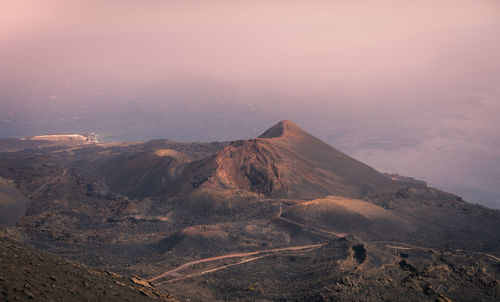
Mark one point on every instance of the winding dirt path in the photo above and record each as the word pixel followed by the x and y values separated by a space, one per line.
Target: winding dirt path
pixel 175 271
pixel 410 247
pixel 264 253
pixel 491 256
pixel 400 247
pixel 212 270
pixel 308 227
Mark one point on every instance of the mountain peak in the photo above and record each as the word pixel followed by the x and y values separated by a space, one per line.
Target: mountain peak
pixel 281 129
pixel 285 162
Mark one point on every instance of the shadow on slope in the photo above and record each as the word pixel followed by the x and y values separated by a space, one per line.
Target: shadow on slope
pixel 286 162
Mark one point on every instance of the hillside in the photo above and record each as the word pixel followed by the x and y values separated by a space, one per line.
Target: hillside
pixel 284 162
pixel 280 217
pixel 27 274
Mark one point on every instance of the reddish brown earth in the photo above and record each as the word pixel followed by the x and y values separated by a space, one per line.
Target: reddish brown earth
pixel 280 217
pixel 284 162
pixel 175 271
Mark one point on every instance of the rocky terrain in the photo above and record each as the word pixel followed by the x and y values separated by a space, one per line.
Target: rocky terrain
pixel 27 274
pixel 280 217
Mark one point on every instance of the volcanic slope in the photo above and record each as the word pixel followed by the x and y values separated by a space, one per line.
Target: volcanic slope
pixel 256 219
pixel 284 162
pixel 27 274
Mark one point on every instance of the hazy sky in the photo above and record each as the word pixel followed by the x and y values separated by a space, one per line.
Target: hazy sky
pixel 406 86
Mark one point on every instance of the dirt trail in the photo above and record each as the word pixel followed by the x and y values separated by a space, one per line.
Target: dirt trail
pixel 491 256
pixel 410 247
pixel 212 270
pixel 313 229
pixel 308 227
pixel 176 270
pixel 400 247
